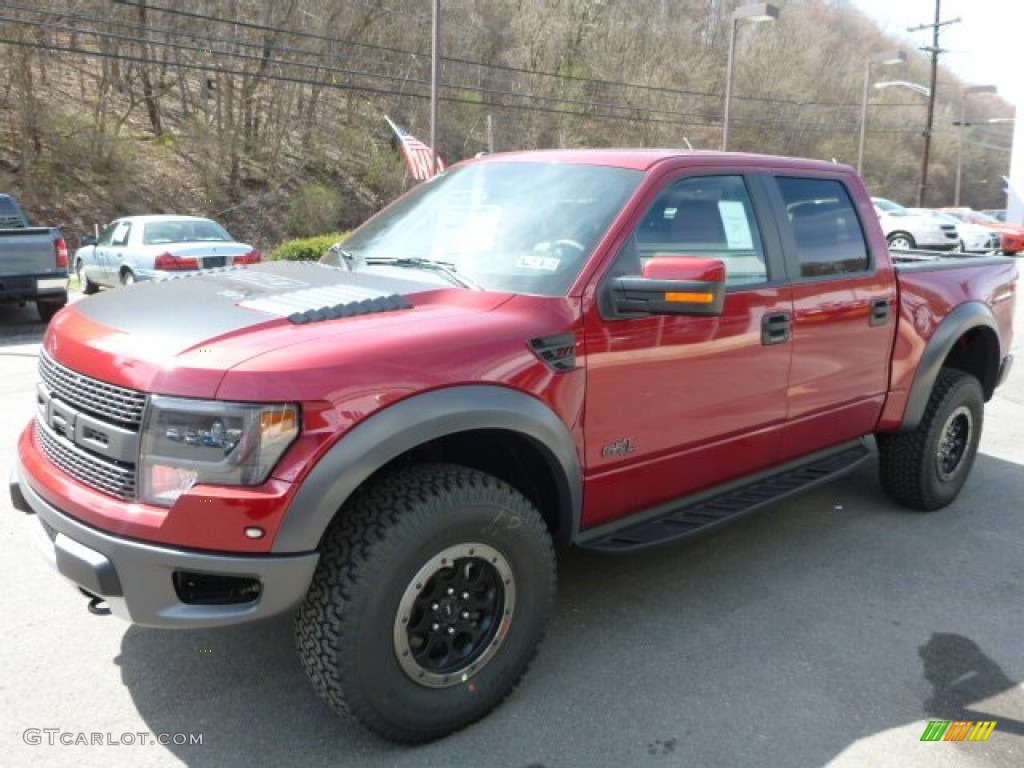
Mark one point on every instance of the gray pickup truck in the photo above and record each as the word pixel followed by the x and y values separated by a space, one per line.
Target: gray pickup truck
pixel 33 261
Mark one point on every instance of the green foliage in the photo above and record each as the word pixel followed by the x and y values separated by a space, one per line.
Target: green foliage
pixel 306 248
pixel 314 208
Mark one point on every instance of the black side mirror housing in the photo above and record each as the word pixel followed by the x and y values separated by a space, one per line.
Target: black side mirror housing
pixel 671 285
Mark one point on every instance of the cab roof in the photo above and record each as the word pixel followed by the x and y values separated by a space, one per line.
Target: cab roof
pixel 646 159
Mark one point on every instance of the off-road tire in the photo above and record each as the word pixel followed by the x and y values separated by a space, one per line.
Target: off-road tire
pixel 349 630
pixel 926 468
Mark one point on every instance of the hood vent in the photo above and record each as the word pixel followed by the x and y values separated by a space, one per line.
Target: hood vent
pixel 312 305
pixel 390 303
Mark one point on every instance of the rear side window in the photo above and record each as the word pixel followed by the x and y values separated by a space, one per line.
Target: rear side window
pixel 10 216
pixel 120 234
pixel 829 239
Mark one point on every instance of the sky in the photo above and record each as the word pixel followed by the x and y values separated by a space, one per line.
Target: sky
pixel 981 48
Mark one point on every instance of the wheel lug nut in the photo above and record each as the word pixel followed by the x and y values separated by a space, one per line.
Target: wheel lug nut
pixel 464 595
pixel 435 627
pixel 465 614
pixel 435 606
pixel 451 590
pixel 451 630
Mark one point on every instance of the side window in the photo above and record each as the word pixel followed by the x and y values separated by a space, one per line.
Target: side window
pixel 710 217
pixel 829 239
pixel 120 234
pixel 108 233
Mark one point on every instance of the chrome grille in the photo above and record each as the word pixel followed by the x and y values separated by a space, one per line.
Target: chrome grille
pixel 106 401
pixel 103 475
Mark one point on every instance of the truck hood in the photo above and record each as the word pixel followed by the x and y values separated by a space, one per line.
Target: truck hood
pixel 180 336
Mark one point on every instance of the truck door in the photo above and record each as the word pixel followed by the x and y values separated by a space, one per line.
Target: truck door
pixel 844 310
pixel 676 404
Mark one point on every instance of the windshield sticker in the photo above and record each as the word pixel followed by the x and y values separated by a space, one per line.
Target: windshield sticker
pixel 544 263
pixel 737 228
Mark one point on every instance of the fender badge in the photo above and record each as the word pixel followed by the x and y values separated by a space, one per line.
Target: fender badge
pixel 622 447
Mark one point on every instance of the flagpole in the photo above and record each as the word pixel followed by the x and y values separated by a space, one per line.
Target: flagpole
pixel 435 61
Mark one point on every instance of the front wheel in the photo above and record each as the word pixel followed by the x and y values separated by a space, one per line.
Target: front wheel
pixel 901 241
pixel 432 593
pixel 926 468
pixel 127 277
pixel 88 286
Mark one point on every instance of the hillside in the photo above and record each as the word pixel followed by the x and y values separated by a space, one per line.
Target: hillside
pixel 270 116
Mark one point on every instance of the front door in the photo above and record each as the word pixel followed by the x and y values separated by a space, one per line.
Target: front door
pixel 684 403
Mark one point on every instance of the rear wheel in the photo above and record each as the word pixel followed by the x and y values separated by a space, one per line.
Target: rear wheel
pixel 432 593
pixel 926 468
pixel 47 308
pixel 127 277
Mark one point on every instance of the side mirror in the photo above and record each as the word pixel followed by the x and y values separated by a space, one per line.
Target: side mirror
pixel 89 240
pixel 672 285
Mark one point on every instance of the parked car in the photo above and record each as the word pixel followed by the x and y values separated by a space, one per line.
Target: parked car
pixel 905 230
pixel 974 238
pixel 1011 236
pixel 33 261
pixel 393 442
pixel 136 248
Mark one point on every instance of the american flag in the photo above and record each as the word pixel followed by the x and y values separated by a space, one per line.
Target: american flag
pixel 417 154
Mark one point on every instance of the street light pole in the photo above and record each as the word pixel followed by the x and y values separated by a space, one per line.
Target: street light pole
pixel 894 57
pixel 754 12
pixel 964 93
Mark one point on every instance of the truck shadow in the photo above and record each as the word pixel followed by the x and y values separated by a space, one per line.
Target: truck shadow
pixel 792 635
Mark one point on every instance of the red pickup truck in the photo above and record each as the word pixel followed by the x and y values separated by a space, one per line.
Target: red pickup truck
pixel 601 349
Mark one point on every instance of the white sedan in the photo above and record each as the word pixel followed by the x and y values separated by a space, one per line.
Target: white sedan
pixel 137 248
pixel 974 238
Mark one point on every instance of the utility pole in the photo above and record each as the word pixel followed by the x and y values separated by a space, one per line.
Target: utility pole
pixel 934 50
pixel 435 76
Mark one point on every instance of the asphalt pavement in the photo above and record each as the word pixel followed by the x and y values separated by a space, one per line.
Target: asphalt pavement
pixel 828 630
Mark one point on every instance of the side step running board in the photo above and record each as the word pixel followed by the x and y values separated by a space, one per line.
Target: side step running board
pixel 697 516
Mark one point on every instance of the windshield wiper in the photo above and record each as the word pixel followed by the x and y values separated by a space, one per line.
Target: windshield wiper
pixel 442 267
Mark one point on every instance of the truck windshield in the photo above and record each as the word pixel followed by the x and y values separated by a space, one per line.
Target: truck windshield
pixel 503 226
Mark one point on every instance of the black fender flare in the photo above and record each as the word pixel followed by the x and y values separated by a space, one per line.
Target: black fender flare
pixel 962 319
pixel 409 423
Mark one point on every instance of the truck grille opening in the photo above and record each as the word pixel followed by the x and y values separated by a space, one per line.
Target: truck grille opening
pixel 214 589
pixel 74 416
pixel 105 401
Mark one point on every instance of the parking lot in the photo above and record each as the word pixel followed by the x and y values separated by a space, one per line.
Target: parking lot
pixel 826 630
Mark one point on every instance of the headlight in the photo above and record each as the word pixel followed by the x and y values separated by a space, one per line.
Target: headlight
pixel 185 442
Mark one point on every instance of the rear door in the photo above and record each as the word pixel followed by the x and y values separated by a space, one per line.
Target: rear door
pixel 844 314
pixel 111 250
pixel 677 404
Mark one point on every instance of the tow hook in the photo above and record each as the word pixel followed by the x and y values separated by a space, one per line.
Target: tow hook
pixel 97 605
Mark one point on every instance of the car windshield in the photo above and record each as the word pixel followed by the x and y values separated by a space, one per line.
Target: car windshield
pixel 184 231
pixel 889 207
pixel 501 226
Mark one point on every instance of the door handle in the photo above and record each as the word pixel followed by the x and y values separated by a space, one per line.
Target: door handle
pixel 879 312
pixel 776 328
